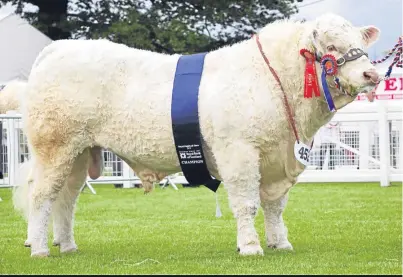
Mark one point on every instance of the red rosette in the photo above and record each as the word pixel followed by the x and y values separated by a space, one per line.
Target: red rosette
pixel 311 81
pixel 306 54
pixel 329 64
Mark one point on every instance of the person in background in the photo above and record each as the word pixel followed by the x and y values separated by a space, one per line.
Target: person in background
pixel 329 130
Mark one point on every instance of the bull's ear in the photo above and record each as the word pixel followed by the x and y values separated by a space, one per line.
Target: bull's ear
pixel 370 34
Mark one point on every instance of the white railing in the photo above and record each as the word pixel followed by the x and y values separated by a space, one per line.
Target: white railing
pixel 363 145
pixel 366 145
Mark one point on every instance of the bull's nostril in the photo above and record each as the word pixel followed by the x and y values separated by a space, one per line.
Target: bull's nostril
pixel 367 75
pixel 371 75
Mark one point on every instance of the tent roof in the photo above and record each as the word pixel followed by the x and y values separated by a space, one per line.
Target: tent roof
pixel 19 45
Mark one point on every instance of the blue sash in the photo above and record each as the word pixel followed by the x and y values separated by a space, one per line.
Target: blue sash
pixel 185 121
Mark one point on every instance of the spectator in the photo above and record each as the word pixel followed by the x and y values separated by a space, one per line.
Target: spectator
pixel 329 130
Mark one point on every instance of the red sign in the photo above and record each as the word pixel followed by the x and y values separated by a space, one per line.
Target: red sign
pixel 393 84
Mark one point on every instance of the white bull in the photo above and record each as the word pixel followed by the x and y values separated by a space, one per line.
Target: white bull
pixel 85 95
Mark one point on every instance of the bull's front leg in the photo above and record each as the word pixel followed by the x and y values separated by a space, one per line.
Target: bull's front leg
pixel 275 229
pixel 238 164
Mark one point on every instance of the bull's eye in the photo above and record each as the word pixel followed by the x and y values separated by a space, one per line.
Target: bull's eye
pixel 331 48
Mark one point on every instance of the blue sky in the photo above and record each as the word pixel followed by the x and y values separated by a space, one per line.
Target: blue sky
pixel 387 15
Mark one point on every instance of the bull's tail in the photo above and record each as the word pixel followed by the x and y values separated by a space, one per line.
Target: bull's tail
pixel 11 95
pixel 22 188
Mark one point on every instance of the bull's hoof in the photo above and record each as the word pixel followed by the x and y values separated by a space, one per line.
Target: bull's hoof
pixel 40 254
pixel 27 244
pixel 56 243
pixel 282 246
pixel 68 248
pixel 252 249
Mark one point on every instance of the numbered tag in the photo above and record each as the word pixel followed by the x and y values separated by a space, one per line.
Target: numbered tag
pixel 301 152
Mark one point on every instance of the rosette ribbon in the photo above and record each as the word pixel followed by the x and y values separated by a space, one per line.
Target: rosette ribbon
pixel 329 67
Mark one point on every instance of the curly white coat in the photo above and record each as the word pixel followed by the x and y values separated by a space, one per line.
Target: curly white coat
pixel 10 96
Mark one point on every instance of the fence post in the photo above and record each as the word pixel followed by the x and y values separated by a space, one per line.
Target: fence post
pixel 363 145
pixel 384 143
pixel 126 174
pixel 12 149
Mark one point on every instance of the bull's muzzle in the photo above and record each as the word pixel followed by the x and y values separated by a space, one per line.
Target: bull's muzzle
pixel 372 76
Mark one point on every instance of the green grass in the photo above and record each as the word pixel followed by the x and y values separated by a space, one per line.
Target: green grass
pixel 334 228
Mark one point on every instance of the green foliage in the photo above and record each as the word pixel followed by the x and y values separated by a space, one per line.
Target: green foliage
pixel 168 26
pixel 140 31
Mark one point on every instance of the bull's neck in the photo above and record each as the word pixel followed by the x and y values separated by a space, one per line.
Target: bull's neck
pixel 309 113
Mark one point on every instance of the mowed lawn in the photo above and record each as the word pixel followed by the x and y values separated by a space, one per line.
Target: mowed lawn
pixel 334 228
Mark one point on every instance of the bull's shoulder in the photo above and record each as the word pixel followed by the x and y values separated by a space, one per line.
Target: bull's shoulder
pixel 48 50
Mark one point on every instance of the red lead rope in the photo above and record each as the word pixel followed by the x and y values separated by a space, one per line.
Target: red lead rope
pixel 285 100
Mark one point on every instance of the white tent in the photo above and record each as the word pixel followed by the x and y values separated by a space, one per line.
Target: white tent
pixel 19 46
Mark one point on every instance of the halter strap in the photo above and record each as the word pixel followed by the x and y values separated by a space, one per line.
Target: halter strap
pixel 351 55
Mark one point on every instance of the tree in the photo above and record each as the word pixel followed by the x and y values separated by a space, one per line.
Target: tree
pixel 145 30
pixel 225 21
pixel 168 26
pixel 50 18
pixel 179 26
pixel 61 19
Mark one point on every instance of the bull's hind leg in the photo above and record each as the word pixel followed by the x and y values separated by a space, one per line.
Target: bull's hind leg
pixel 30 181
pixel 53 169
pixel 238 164
pixel 275 229
pixel 63 207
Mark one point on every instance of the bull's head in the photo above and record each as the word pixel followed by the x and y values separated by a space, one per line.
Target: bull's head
pixel 335 35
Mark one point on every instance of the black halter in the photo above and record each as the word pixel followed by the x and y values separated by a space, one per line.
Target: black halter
pixel 351 55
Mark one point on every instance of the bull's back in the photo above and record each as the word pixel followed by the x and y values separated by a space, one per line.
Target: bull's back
pixel 98 70
pixel 115 96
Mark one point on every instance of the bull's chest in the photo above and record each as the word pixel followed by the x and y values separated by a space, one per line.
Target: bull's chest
pixel 279 164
